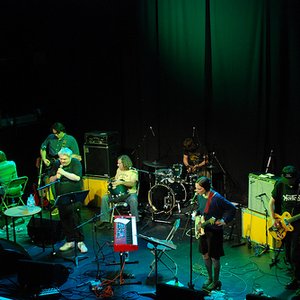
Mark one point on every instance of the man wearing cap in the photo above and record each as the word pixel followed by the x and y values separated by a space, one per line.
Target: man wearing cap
pixel 285 198
pixel 215 212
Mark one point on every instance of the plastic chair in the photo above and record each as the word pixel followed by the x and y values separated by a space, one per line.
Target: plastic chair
pixel 13 191
pixel 161 252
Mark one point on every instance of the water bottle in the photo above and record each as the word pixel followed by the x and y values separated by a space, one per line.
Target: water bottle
pixel 30 202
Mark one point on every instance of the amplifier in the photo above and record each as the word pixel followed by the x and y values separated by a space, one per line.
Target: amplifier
pixel 259 192
pixel 101 138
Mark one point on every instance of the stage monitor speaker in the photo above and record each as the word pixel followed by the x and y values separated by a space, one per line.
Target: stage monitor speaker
pixel 167 291
pixel 35 275
pixel 10 253
pixel 101 161
pixel 259 192
pixel 45 231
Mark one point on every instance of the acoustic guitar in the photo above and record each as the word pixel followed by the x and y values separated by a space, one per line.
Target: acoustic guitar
pixel 118 190
pixel 200 223
pixel 285 220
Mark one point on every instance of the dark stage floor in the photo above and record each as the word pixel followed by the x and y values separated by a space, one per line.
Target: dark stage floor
pixel 102 274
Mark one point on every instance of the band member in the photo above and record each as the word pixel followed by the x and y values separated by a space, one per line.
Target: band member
pixel 67 178
pixel 285 198
pixel 195 158
pixel 213 213
pixel 122 188
pixel 49 154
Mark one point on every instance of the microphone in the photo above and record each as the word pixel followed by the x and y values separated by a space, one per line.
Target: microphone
pixel 193 199
pixel 150 127
pixel 260 195
pixel 194 131
pixel 59 178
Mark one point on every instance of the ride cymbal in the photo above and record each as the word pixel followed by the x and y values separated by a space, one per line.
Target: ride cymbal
pixel 154 164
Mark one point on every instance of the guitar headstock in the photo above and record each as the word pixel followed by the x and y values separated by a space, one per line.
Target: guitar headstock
pixel 212 220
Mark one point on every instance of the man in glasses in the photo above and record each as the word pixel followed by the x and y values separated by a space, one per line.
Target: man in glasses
pixel 57 139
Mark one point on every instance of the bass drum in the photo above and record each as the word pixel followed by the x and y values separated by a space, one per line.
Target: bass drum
pixel 179 191
pixel 161 199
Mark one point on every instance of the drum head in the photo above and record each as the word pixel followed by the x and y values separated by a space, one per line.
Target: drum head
pixel 179 191
pixel 161 199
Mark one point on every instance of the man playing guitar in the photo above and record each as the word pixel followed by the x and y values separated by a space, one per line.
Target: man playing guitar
pixel 49 154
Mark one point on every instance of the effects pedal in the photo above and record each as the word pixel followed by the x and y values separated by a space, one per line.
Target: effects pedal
pixel 49 293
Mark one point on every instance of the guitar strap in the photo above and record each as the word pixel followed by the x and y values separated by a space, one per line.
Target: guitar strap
pixel 208 202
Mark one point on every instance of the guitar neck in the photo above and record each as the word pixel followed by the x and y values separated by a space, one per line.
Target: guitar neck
pixel 294 218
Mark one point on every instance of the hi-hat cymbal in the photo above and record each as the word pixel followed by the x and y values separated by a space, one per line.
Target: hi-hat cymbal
pixel 154 164
pixel 210 167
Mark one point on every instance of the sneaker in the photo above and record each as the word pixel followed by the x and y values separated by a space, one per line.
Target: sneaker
pixel 67 246
pixel 82 247
pixel 54 212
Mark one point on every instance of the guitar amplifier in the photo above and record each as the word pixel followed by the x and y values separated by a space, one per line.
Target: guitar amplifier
pixel 259 191
pixel 102 138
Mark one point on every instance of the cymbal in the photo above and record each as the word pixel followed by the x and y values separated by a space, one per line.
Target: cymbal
pixel 210 167
pixel 153 164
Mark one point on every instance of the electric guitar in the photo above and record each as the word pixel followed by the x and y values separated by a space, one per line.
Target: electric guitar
pixel 200 223
pixel 285 220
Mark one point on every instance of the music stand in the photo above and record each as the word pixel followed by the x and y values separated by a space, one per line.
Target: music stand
pixel 156 242
pixel 72 198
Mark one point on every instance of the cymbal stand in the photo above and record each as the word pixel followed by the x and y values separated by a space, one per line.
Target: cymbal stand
pixel 265 248
pixel 223 171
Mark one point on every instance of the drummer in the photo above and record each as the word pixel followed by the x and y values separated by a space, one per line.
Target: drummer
pixel 195 158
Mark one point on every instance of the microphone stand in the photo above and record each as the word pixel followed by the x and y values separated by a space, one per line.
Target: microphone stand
pixel 190 283
pixel 223 171
pixel 265 247
pixel 136 150
pixel 269 161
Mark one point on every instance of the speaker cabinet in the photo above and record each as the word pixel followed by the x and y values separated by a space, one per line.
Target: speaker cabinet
pixel 45 231
pixel 167 291
pixel 259 192
pixel 101 160
pixel 34 275
pixel 10 253
pixel 254 227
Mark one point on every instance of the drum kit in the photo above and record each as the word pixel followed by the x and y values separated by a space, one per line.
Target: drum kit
pixel 171 189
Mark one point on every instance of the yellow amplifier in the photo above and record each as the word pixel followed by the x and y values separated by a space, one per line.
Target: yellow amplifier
pixel 97 188
pixel 254 227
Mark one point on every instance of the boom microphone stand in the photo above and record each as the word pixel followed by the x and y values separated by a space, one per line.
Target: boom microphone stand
pixel 265 248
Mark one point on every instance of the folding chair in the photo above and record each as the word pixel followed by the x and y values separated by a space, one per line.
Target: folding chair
pixel 14 191
pixel 161 252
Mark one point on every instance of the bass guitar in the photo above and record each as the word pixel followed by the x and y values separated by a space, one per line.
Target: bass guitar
pixel 200 223
pixel 279 232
